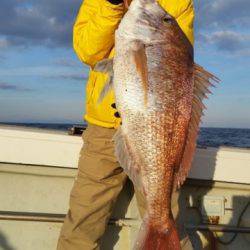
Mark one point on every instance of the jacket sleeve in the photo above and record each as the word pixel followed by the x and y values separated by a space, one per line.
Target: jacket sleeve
pixel 186 19
pixel 94 28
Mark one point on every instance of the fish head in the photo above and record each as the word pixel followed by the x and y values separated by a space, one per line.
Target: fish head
pixel 149 23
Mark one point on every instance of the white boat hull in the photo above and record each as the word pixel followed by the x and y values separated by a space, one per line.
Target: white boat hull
pixel 37 171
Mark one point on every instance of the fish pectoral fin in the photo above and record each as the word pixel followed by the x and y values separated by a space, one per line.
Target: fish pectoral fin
pixel 127 159
pixel 140 59
pixel 106 88
pixel 203 80
pixel 105 66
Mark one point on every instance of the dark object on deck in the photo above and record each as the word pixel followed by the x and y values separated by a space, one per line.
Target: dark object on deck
pixel 76 129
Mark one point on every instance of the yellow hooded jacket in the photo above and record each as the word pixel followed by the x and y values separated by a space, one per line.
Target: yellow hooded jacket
pixel 93 40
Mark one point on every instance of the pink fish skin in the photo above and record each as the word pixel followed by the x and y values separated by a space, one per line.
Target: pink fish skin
pixel 159 92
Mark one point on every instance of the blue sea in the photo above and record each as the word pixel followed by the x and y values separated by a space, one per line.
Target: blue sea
pixel 208 137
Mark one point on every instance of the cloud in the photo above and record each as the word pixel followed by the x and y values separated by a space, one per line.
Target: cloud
pixel 66 62
pixel 12 87
pixel 32 22
pixel 2 58
pixel 45 72
pixel 228 40
pixel 3 43
pixel 75 77
pixel 222 13
pixel 49 23
pixel 221 23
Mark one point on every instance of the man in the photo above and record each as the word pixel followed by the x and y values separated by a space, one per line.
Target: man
pixel 100 178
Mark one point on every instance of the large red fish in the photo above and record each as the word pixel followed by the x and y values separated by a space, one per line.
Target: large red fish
pixel 159 92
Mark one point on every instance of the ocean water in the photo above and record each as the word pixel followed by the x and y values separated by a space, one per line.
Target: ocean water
pixel 231 137
pixel 208 137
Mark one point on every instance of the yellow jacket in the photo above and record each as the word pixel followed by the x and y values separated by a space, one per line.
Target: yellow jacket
pixel 93 40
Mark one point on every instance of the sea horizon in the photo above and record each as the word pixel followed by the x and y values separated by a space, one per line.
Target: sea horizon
pixel 208 136
pixel 85 123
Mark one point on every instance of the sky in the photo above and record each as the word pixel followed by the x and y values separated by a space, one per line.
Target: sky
pixel 42 80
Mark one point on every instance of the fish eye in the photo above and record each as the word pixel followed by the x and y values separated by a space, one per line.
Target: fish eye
pixel 167 19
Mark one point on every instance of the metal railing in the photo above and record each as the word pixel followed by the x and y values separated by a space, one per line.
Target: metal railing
pixel 59 218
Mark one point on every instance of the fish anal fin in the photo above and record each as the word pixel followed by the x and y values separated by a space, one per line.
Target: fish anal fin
pixel 202 81
pixel 140 59
pixel 127 159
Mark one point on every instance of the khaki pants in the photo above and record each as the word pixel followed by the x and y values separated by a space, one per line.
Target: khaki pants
pixel 98 183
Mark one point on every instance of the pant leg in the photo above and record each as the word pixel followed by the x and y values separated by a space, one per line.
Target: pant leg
pixel 98 183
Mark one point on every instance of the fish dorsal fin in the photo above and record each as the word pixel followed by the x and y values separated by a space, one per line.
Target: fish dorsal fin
pixel 105 66
pixel 140 59
pixel 127 159
pixel 203 80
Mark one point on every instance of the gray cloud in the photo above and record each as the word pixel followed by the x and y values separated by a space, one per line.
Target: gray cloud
pixel 49 23
pixel 227 40
pixel 73 76
pixel 13 87
pixel 3 42
pixel 221 23
pixel 222 13
pixel 66 62
pixel 31 22
pixel 2 58
pixel 230 41
pixel 76 77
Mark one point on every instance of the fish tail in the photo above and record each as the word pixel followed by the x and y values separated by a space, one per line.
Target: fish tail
pixel 163 237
